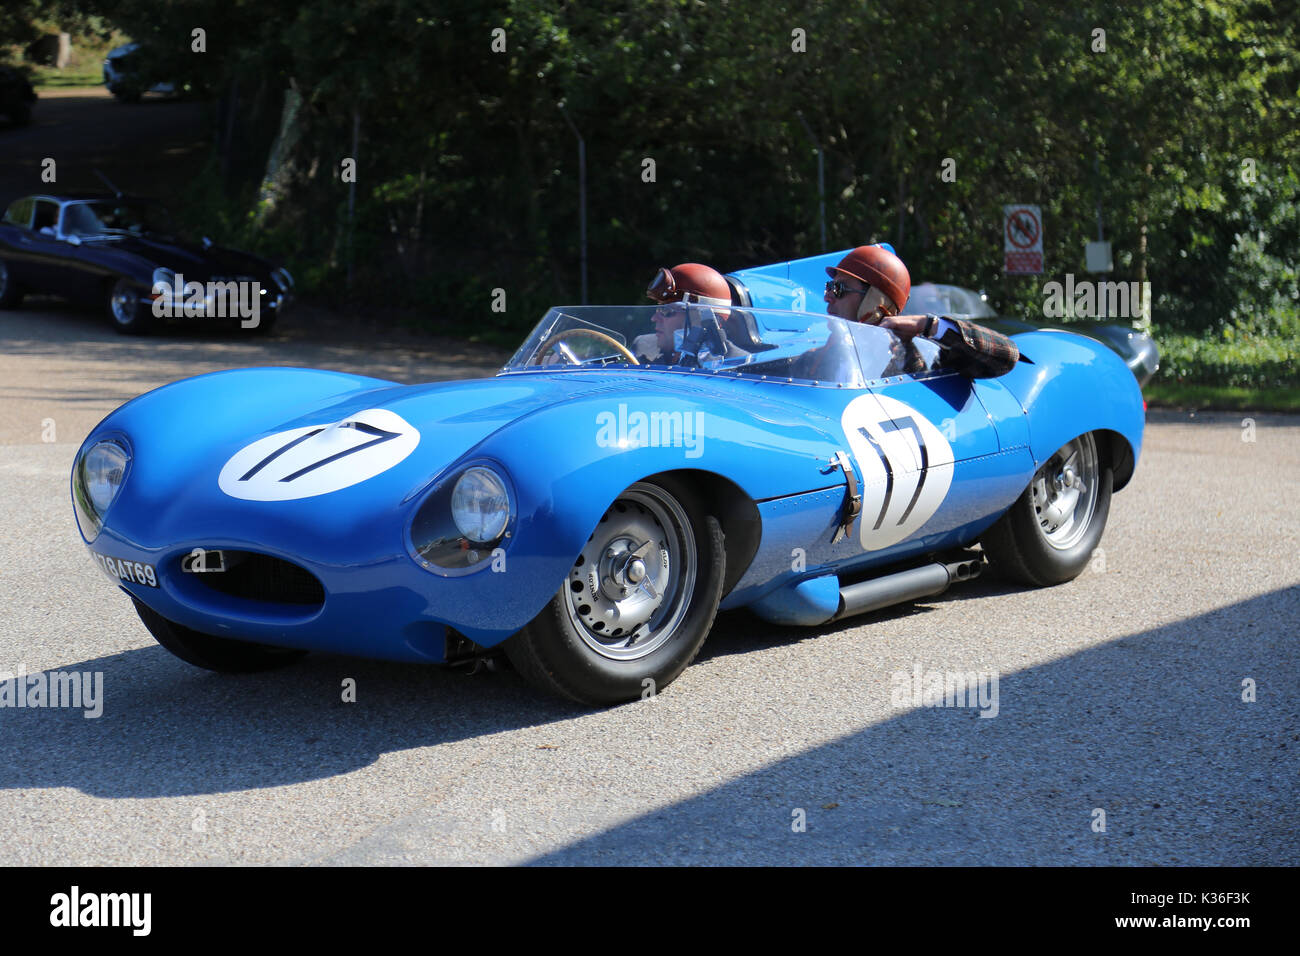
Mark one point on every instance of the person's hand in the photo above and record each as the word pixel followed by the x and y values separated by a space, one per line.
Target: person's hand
pixel 906 327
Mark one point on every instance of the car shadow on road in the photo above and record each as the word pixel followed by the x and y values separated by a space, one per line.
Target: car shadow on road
pixel 1151 728
pixel 1176 746
pixel 170 729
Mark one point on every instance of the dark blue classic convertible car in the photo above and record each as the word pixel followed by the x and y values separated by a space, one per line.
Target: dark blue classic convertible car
pixel 124 255
pixel 589 509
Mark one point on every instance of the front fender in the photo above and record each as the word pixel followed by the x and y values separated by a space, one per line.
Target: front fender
pixel 569 463
pixel 1071 385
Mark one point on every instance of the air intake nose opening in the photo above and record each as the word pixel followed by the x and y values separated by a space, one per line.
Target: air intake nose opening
pixel 261 577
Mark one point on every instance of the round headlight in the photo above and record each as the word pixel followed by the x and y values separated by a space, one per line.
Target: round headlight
pixel 96 479
pixel 283 279
pixel 480 505
pixel 103 470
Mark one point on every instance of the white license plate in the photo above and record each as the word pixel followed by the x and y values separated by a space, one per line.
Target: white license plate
pixel 135 572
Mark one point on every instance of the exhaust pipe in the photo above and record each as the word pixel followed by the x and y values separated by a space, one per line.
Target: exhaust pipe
pixel 925 581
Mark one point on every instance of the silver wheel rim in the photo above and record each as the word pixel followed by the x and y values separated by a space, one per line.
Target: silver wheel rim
pixel 1064 493
pixel 630 588
pixel 123 305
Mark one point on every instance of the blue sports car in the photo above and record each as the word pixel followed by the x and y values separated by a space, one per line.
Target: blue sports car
pixel 589 509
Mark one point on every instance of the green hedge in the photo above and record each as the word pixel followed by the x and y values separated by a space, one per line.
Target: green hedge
pixel 1229 358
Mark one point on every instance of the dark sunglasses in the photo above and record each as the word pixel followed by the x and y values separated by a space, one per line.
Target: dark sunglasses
pixel 837 289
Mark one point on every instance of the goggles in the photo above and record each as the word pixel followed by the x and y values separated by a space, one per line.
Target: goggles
pixel 663 289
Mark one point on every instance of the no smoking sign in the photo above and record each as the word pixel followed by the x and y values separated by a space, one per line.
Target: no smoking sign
pixel 1022 229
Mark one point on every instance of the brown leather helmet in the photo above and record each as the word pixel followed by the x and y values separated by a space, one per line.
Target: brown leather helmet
pixel 689 282
pixel 877 267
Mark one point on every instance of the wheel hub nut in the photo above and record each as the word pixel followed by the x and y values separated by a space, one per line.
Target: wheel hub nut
pixel 636 571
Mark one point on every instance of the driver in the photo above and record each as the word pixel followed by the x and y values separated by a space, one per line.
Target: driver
pixel 689 283
pixel 871 285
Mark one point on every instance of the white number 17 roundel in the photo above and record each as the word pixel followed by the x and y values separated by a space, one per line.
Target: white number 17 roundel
pixel 906 466
pixel 304 462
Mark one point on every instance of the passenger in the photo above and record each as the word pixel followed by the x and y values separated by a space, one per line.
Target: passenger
pixel 872 285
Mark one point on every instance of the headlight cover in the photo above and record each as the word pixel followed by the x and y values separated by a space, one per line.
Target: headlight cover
pixel 480 505
pixel 97 477
pixel 283 279
pixel 463 520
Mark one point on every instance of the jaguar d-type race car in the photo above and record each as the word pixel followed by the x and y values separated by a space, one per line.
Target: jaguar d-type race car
pixel 589 509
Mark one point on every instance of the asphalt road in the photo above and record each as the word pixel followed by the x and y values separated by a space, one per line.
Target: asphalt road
pixel 1121 692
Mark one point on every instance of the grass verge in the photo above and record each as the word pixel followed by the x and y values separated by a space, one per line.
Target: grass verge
pixel 48 78
pixel 1226 397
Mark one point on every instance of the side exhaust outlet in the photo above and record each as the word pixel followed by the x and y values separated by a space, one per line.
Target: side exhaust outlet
pixel 926 581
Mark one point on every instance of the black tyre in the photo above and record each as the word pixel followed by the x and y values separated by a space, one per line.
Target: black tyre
pixel 214 653
pixel 1049 534
pixel 637 604
pixel 129 316
pixel 11 293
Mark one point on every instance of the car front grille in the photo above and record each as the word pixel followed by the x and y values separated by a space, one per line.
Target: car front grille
pixel 260 577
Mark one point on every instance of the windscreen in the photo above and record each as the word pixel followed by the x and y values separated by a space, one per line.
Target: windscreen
pixel 759 343
pixel 948 300
pixel 116 219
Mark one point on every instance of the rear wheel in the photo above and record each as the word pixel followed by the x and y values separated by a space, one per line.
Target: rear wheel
pixel 124 308
pixel 1049 534
pixel 11 293
pixel 214 653
pixel 636 605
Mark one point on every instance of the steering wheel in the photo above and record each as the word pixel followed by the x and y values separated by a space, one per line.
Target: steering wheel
pixel 558 337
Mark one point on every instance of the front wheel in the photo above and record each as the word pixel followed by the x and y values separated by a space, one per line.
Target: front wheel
pixel 1048 536
pixel 214 653
pixel 125 309
pixel 635 607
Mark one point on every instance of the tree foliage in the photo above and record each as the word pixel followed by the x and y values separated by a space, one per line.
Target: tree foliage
pixel 1177 118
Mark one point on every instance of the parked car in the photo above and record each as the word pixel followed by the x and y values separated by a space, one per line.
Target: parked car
pixel 128 74
pixel 124 254
pixel 587 512
pixel 16 96
pixel 1135 346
